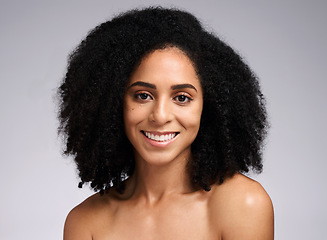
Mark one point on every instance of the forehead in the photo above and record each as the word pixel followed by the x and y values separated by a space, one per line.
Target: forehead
pixel 169 65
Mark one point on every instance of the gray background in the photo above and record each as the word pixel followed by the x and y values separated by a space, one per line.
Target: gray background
pixel 283 41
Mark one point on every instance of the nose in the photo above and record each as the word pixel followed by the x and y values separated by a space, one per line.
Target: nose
pixel 161 112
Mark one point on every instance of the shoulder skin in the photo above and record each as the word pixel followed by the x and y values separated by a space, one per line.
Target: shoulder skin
pixel 87 218
pixel 242 209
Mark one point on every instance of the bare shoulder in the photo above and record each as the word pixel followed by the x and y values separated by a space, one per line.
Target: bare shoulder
pixel 242 209
pixel 83 219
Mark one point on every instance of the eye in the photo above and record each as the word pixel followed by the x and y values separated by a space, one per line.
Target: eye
pixel 182 99
pixel 143 96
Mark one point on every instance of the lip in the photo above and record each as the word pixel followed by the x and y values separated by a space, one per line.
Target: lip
pixel 159 144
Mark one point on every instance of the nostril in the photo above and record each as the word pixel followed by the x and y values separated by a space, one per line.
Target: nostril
pixel 161 114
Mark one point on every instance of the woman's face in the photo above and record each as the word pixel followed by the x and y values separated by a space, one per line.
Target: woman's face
pixel 162 107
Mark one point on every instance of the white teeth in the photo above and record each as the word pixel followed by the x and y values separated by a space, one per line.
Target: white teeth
pixel 160 138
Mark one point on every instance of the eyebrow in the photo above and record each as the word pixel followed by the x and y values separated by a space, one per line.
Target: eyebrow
pixel 143 84
pixel 174 87
pixel 181 86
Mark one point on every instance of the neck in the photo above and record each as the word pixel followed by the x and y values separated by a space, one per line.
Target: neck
pixel 154 182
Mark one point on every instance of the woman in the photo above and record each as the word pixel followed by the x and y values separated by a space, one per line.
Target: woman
pixel 162 119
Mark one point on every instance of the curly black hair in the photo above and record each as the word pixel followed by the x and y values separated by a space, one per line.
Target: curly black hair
pixel 233 122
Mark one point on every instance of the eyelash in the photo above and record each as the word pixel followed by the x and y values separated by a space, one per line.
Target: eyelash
pixel 138 96
pixel 187 99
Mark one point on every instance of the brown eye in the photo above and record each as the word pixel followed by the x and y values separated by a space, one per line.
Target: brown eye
pixel 182 99
pixel 143 96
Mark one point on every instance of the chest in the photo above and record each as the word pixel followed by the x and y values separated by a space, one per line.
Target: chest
pixel 174 221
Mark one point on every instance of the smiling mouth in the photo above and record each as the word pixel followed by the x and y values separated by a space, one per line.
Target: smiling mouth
pixel 160 137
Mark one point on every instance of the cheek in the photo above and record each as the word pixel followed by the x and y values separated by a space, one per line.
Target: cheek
pixel 129 122
pixel 190 118
pixel 133 115
pixel 129 116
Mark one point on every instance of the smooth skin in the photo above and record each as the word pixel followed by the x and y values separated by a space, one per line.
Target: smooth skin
pixel 164 98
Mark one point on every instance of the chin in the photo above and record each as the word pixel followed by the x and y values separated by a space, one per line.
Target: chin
pixel 162 158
